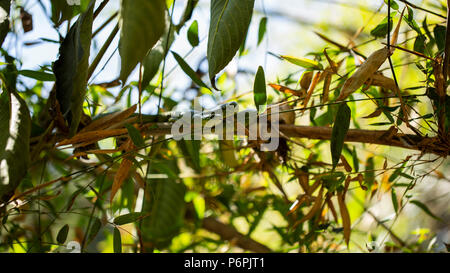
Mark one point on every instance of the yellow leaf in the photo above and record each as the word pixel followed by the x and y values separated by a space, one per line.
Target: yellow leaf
pixel 303 62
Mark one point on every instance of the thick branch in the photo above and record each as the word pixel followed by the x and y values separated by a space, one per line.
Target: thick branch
pixel 229 233
pixel 380 137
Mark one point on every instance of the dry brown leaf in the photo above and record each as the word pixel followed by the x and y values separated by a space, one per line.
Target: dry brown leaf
pixel 121 176
pixel 109 120
pixel 303 180
pixel 326 88
pixel 346 222
pixel 365 71
pixel 333 65
pixel 306 79
pixel 311 88
pixel 333 209
pixel 87 138
pixel 313 211
pixel 287 90
pixel 396 31
pixel 360 179
pixel 123 171
pixel 380 80
pixel 298 202
pixel 375 114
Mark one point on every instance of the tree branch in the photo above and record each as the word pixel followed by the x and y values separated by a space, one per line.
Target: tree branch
pixel 379 137
pixel 229 233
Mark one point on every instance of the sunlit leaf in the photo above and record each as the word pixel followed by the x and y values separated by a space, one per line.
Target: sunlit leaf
pixel 193 34
pixel 303 62
pixel 15 130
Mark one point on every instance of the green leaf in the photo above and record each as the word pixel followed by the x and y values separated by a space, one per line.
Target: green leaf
pixel 229 23
pixel 199 206
pixel 135 135
pixel 62 234
pixel 117 241
pixel 166 208
pixel 369 174
pixel 425 209
pixel 94 229
pixel 340 129
pixel 15 130
pixel 38 75
pixel 355 160
pixel 189 71
pixel 439 36
pixel 381 30
pixel 128 218
pixel 142 25
pixel 394 4
pixel 394 200
pixel 259 89
pixel 303 62
pixel 192 34
pixel 154 57
pixel 191 152
pixel 419 44
pixel 411 22
pixel 262 29
pixel 71 69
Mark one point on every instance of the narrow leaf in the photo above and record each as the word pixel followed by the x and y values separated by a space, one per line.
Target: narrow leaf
pixel 128 218
pixel 303 62
pixel 189 71
pixel 346 222
pixel 121 176
pixel 38 75
pixel 262 29
pixel 340 129
pixel 425 209
pixel 135 135
pixel 117 241
pixel 94 229
pixel 259 89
